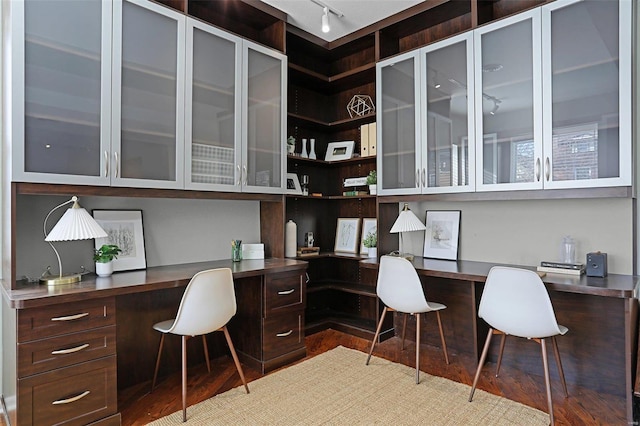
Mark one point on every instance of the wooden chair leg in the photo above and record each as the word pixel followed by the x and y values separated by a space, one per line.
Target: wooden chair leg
pixel 404 329
pixel 375 336
pixel 184 378
pixel 444 343
pixel 206 352
pixel 502 342
pixel 559 364
pixel 155 373
pixel 417 349
pixel 483 357
pixel 545 363
pixel 235 357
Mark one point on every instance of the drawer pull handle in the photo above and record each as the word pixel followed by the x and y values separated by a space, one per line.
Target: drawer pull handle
pixel 70 350
pixel 285 292
pixel 284 334
pixel 70 317
pixel 72 399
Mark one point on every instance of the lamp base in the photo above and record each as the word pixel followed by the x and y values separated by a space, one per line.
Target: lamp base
pixel 52 280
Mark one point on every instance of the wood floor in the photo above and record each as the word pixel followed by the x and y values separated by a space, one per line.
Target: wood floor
pixel 583 407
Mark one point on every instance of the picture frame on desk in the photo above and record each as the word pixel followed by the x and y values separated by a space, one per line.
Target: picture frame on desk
pixel 347 233
pixel 293 184
pixel 442 236
pixel 124 229
pixel 339 151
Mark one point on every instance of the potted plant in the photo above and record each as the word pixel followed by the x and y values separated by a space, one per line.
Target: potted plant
pixel 372 180
pixel 371 242
pixel 291 145
pixel 104 259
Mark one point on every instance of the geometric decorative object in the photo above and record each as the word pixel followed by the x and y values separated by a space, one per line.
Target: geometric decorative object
pixel 360 105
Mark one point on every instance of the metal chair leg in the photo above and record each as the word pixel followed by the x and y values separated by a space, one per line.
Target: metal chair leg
pixel 417 349
pixel 375 337
pixel 547 383
pixel 184 378
pixel 404 329
pixel 235 357
pixel 155 374
pixel 444 344
pixel 559 364
pixel 483 357
pixel 502 342
pixel 206 352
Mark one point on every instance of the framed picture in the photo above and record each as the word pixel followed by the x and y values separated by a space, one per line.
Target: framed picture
pixel 442 234
pixel 369 226
pixel 293 184
pixel 124 229
pixel 339 151
pixel 347 233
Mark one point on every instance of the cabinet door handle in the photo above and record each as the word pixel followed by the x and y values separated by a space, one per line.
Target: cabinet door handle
pixel 106 163
pixel 70 350
pixel 284 334
pixel 70 317
pixel 285 292
pixel 117 163
pixel 538 169
pixel 72 399
pixel 547 169
pixel 244 175
pixel 424 177
pixel 239 176
pixel 417 178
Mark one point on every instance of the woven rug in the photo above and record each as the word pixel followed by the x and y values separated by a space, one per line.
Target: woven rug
pixel 337 388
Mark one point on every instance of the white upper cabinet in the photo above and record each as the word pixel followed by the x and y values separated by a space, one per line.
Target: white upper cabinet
pixel 398 117
pixel 148 95
pixel 587 93
pixel 213 128
pixel 60 91
pixel 508 104
pixel 263 119
pixel 448 147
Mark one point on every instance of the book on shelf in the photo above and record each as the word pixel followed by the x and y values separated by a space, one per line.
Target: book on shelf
pixel 308 251
pixel 354 193
pixel 562 265
pixel 358 181
pixel 565 271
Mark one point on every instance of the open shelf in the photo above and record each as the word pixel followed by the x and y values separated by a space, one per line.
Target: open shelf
pixel 347 287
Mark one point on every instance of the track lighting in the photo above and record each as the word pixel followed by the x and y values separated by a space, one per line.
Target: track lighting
pixel 496 105
pixel 326 10
pixel 325 21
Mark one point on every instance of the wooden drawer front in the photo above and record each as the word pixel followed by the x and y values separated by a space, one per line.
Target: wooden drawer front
pixel 283 291
pixel 43 355
pixel 55 320
pixel 283 333
pixel 74 395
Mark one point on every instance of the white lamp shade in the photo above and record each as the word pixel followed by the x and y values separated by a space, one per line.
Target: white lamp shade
pixel 76 224
pixel 407 222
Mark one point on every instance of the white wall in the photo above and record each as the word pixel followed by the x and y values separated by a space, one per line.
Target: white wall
pixel 527 232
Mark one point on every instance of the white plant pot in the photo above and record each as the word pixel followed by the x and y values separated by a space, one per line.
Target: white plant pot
pixel 104 269
pixel 373 252
pixel 372 189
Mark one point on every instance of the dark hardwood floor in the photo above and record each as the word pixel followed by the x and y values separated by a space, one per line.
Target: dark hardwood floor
pixel 582 407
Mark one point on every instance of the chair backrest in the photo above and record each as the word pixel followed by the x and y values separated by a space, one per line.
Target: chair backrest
pixel 399 285
pixel 516 302
pixel 208 303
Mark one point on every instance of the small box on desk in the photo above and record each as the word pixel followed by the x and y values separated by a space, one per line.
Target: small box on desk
pixel 253 251
pixel 597 264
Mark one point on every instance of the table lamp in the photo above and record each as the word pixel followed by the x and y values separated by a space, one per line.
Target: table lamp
pixel 406 222
pixel 75 224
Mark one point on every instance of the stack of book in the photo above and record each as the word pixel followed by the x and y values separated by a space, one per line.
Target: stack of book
pixel 562 268
pixel 308 251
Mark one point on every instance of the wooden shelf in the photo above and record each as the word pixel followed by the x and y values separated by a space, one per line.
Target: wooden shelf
pixel 332 84
pixel 347 287
pixel 333 125
pixel 369 159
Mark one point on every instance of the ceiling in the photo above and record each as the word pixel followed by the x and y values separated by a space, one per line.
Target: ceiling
pixel 307 14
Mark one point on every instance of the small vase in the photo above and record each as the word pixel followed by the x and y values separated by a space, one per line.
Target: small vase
pixel 312 154
pixel 373 252
pixel 236 251
pixel 304 149
pixel 372 189
pixel 104 269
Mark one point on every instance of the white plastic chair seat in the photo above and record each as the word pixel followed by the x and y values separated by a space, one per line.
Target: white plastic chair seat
pixel 164 326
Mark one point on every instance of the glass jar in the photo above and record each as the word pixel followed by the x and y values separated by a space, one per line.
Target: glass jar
pixel 236 250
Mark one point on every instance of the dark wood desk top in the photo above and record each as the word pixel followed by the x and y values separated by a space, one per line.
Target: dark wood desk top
pixel 156 278
pixel 613 285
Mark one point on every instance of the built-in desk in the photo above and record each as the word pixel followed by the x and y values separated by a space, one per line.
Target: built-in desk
pixel 77 344
pixel 598 352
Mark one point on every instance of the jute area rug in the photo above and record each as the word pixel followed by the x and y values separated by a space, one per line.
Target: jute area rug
pixel 337 388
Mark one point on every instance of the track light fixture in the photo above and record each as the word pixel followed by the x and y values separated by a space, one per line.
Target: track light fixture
pixel 326 10
pixel 325 21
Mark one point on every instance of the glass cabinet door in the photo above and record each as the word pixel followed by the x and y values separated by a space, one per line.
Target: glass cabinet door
pixel 398 94
pixel 587 92
pixel 508 104
pixel 264 119
pixel 148 99
pixel 212 116
pixel 61 91
pixel 447 112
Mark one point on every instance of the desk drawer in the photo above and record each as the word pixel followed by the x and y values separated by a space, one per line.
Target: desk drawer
pixel 283 333
pixel 74 395
pixel 43 355
pixel 283 291
pixel 55 320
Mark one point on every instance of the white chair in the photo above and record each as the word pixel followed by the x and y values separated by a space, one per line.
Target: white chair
pixel 207 305
pixel 515 302
pixel 400 289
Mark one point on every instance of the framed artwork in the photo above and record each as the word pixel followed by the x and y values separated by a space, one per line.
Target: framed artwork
pixel 124 229
pixel 339 151
pixel 293 184
pixel 369 225
pixel 442 234
pixel 347 233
